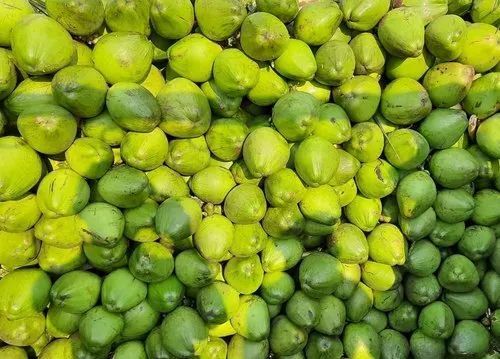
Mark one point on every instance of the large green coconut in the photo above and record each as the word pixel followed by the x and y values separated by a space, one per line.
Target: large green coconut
pixel 81 17
pixel 317 21
pixel 172 19
pixel 11 12
pixel 123 15
pixel 219 19
pixel 365 14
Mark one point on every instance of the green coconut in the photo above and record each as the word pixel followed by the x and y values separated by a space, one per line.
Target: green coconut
pixel 269 88
pixel 482 98
pixel 144 151
pixel 366 143
pixel 8 76
pixel 80 18
pixel 283 10
pixel 443 37
pixel 297 62
pixel 443 127
pixel 172 20
pixel 479 47
pixel 219 20
pixel 369 54
pixel 12 11
pixel 128 16
pixel 412 67
pixel 336 63
pixel 316 22
pixel 406 149
pixel 364 15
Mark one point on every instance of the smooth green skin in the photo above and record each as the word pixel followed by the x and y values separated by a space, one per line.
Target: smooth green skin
pixel 133 107
pixel 443 127
pixel 377 319
pixel 248 239
pixel 359 303
pixel 79 18
pixel 225 138
pixel 387 245
pixel 361 341
pixel 406 149
pixel 251 320
pixel 297 62
pixel 422 346
pixel 263 36
pixel 76 292
pixel 346 192
pixel 193 56
pixel 32 51
pixel 407 44
pixel 333 124
pixel 101 224
pixel 453 167
pixel 453 206
pixel 303 310
pixel 127 16
pixel 286 338
pixel 379 276
pixel 19 215
pixel 366 143
pixel 316 22
pixel 486 210
pixel 351 275
pixel 322 346
pixel 443 37
pixel 320 91
pixel 315 282
pixel 269 88
pixel 183 332
pixel 487 138
pixel 61 324
pixel 130 350
pixel 265 152
pixel 81 90
pixel 124 187
pixel 321 204
pixel 348 244
pixel 295 115
pixel 459 7
pixel 154 81
pixel 48 129
pixel 436 320
pixel 12 352
pixel 448 83
pixel 478 242
pixel 20 157
pixel 390 210
pixel 31 92
pixel 8 76
pixel 18 249
pixel 411 67
pixel 284 222
pixel 469 338
pixel 313 228
pixel 332 316
pixel 172 20
pixel 404 317
pixel 218 20
pixel 377 179
pixel 359 96
pixel 364 212
pixel 404 101
pixel 422 290
pixel 423 258
pixel 346 170
pixel 99 328
pixel 12 11
pixel 470 305
pixel 479 39
pixel 212 184
pixel 485 11
pixel 22 332
pixel 166 295
pixel 277 287
pixel 393 345
pixel 369 54
pixel 364 15
pixel 336 63
pixel 458 274
pixel 139 321
pixel 151 262
pixel 145 151
pixel 103 127
pixel 235 73
pixel 244 274
pixel 481 100
pixel 249 211
pixel 283 188
pixel 121 291
pixel 185 109
pixel 283 10
pixel 216 348
pixel 214 237
pixel 89 157
pixel 446 234
pixel 107 259
pixel 491 288
pixel 388 300
pixel 62 192
pixel 428 10
pixel 220 103
pixel 134 59
pixel 83 54
pixel 139 222
pixel 488 167
pixel 415 194
pixel 60 260
pixel 165 183
pixel 193 270
pixel 316 161
pixel 239 347
pixel 188 156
